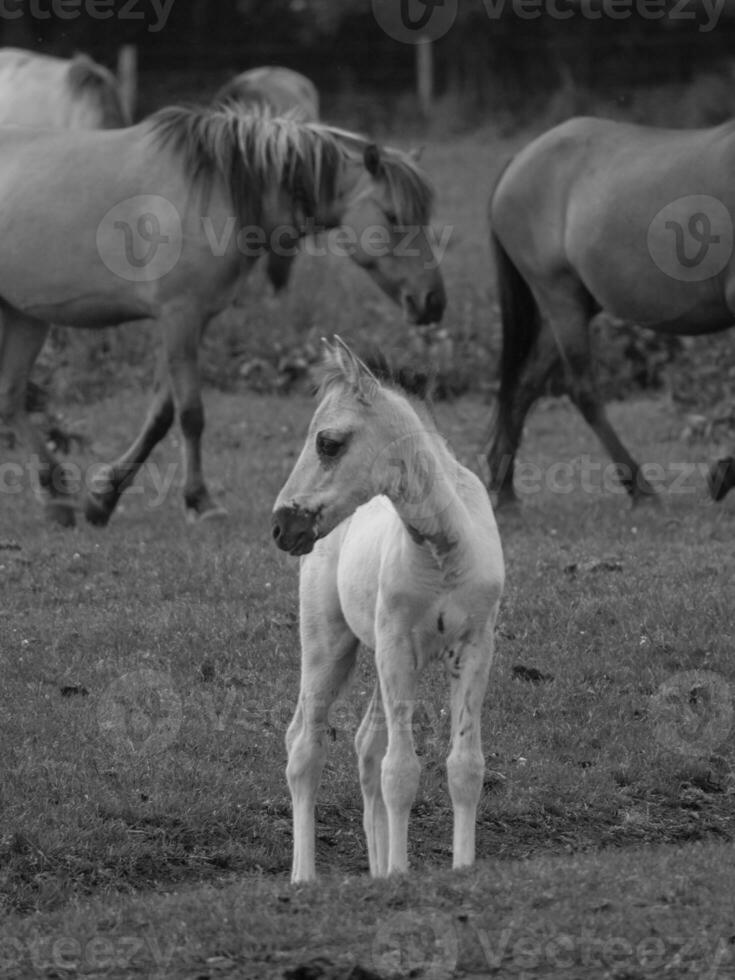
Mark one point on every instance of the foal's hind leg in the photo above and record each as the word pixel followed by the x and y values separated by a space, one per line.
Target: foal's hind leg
pixel 514 406
pixel 371 741
pixel 118 475
pixel 569 310
pixel 21 340
pixel 397 662
pixel 466 764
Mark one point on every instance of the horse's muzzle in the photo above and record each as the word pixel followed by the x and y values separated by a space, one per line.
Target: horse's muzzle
pixel 294 530
pixel 432 309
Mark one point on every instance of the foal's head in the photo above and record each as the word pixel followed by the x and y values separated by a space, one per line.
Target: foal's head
pixel 357 431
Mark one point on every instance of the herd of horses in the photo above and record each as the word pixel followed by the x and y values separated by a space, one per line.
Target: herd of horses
pixel 398 541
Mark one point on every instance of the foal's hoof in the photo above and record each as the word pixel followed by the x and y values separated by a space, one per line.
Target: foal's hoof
pixel 211 514
pixel 61 513
pixel 721 478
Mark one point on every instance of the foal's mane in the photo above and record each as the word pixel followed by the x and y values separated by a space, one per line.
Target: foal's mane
pixel 252 152
pixel 331 375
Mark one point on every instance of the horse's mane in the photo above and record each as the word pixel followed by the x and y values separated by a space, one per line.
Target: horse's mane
pixel 253 151
pixel 86 78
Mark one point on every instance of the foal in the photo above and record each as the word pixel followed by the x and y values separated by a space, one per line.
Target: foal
pixel 402 555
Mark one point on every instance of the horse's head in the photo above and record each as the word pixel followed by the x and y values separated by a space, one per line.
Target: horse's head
pixel 336 471
pixel 387 212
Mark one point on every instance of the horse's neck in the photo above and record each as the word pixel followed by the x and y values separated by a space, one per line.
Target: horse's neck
pixel 427 499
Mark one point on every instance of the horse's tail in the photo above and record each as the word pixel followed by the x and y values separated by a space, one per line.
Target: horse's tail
pixel 519 318
pixel 98 87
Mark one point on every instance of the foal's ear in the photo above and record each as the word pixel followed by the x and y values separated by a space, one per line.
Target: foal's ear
pixel 356 372
pixel 371 156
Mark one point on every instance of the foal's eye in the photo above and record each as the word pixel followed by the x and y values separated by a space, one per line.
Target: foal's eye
pixel 331 448
pixel 392 218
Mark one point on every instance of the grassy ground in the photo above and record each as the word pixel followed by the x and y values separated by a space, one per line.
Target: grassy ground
pixel 151 670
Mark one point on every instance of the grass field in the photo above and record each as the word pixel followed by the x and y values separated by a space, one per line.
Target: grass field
pixel 150 671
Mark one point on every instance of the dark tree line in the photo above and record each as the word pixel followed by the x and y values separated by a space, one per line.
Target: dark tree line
pixel 339 43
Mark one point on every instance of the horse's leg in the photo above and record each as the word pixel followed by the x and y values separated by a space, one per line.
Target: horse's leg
pixel 569 310
pixel 328 652
pixel 183 330
pixel 396 663
pixel 371 741
pixel 101 502
pixel 21 341
pixel 279 270
pixel 510 419
pixel 466 764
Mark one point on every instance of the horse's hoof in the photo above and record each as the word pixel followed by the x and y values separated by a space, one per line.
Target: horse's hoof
pixel 211 514
pixel 505 500
pixel 61 513
pixel 96 514
pixel 721 478
pixel 646 498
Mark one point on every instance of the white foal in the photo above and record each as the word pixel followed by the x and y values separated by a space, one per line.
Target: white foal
pixel 402 554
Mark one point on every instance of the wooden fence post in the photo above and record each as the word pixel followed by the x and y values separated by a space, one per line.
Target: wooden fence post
pixel 127 76
pixel 425 74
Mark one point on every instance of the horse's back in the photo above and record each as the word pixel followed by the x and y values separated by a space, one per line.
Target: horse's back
pixel 281 90
pixel 580 204
pixel 41 90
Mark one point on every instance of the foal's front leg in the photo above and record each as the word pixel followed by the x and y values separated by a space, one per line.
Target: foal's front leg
pixel 466 763
pixel 329 652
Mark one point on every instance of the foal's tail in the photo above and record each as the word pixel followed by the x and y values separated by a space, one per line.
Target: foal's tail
pixel 520 322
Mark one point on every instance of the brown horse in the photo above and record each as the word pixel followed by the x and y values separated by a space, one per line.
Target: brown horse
pixel 159 222
pixel 598 215
pixel 279 91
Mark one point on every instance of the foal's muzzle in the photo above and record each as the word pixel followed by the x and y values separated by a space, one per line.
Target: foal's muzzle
pixel 294 530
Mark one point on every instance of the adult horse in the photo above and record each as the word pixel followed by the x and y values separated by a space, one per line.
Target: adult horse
pixel 39 90
pixel 279 91
pixel 158 222
pixel 599 215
